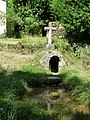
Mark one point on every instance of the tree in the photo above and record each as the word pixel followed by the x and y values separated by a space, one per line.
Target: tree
pixel 30 22
pixel 75 16
pixel 13 21
pixel 34 15
pixel 42 9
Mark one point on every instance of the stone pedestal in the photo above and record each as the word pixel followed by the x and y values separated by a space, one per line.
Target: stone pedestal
pixel 49 46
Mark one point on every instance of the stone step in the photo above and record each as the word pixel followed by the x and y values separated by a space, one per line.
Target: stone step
pixel 53 77
pixel 54 80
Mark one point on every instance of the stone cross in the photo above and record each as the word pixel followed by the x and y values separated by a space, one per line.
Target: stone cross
pixel 49 29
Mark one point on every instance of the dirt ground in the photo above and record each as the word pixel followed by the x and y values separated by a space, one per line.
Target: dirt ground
pixel 13 61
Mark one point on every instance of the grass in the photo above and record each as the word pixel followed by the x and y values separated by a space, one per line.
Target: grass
pixel 26 40
pixel 24 45
pixel 24 85
pixel 78 85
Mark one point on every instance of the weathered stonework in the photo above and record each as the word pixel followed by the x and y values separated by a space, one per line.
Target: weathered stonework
pixel 48 55
pixel 60 30
pixel 2 16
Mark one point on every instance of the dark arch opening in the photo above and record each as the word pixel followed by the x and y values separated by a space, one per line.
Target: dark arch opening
pixel 54 64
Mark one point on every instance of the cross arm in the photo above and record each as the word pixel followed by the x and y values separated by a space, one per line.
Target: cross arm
pixel 46 28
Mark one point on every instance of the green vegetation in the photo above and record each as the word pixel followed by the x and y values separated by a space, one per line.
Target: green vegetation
pixel 23 82
pixel 24 45
pixel 30 17
pixel 23 79
pixel 74 15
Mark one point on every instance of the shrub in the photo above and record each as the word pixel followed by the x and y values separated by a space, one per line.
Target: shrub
pixel 13 21
pixel 74 15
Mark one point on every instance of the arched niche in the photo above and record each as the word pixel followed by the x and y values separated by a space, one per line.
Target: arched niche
pixel 52 60
pixel 54 64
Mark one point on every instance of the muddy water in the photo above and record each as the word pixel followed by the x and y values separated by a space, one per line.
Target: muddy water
pixel 52 99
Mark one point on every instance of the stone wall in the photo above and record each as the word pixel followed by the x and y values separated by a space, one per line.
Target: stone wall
pixel 47 56
pixel 60 30
pixel 2 17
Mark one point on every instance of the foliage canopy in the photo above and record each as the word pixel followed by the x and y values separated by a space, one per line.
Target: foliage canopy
pixel 34 15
